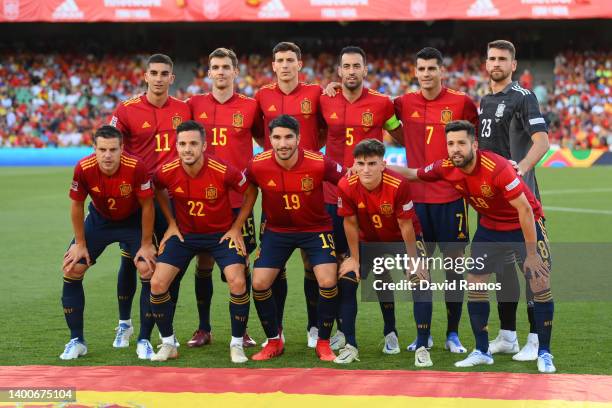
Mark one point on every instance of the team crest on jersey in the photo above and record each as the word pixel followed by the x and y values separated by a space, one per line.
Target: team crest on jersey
pixel 176 121
pixel 446 116
pixel 237 120
pixel 211 193
pixel 386 209
pixel 125 189
pixel 306 106
pixel 367 119
pixel 307 183
pixel 500 110
pixel 486 191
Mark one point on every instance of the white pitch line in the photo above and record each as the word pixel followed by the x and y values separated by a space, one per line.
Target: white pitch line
pixel 578 210
pixel 573 191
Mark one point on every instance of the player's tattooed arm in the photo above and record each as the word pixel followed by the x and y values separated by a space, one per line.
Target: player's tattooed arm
pixel 78 250
pixel 533 262
pixel 351 230
pixel 147 250
pixel 235 232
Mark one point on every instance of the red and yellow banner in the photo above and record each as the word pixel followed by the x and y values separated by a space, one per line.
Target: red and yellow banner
pixel 297 10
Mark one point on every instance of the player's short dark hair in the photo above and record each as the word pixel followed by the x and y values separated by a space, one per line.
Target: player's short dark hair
pixel 285 121
pixel 369 148
pixel 224 53
pixel 286 46
pixel 459 125
pixel 428 53
pixel 191 125
pixel 502 45
pixel 160 59
pixel 351 49
pixel 108 132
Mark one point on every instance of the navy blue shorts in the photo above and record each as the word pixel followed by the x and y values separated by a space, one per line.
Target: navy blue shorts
pixel 492 247
pixel 248 231
pixel 101 232
pixel 179 254
pixel 159 229
pixel 338 224
pixel 276 248
pixel 444 225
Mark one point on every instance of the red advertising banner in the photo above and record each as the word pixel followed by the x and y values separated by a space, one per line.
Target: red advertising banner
pixel 297 10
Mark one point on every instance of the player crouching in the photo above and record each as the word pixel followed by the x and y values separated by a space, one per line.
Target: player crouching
pixel 121 211
pixel 198 186
pixel 377 207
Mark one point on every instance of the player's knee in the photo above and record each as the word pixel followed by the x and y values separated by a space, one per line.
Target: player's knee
pixel 237 284
pixel 327 281
pixel 76 272
pixel 143 270
pixel 260 283
pixel 477 278
pixel 158 285
pixel 540 284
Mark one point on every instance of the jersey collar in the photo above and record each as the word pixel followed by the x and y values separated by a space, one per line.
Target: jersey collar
pixel 214 100
pixel 297 89
pixel 440 95
pixel 507 88
pixel 143 98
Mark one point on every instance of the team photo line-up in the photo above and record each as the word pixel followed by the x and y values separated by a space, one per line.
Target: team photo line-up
pixel 173 180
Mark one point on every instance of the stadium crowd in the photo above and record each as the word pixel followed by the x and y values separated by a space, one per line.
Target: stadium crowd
pixel 59 99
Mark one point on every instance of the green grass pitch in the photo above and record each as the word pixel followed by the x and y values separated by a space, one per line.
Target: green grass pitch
pixel 35 230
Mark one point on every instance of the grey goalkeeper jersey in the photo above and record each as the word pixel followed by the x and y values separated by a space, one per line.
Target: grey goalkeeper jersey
pixel 507 120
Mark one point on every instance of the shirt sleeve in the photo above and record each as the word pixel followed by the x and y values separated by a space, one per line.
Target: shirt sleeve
pixel 118 120
pixel 432 172
pixel 531 116
pixel 235 179
pixel 392 122
pixel 346 206
pixel 144 189
pixel 158 181
pixel 404 207
pixel 250 174
pixel 470 112
pixel 333 171
pixel 78 188
pixel 509 182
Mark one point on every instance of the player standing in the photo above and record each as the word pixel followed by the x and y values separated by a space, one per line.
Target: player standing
pixel 199 188
pixel 352 115
pixel 148 123
pixel 230 120
pixel 441 210
pixel 377 206
pixel 291 181
pixel 289 96
pixel 121 210
pixel 510 220
pixel 512 126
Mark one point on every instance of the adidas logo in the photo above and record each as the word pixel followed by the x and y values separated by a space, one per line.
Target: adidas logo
pixel 203 115
pixel 271 183
pixel 96 189
pixel 273 9
pixel 146 125
pixel 272 108
pixel 333 116
pixel 67 10
pixel 415 114
pixel 461 235
pixel 483 8
pixel 361 205
pixel 178 190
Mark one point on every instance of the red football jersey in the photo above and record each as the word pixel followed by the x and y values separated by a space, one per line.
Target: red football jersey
pixel 292 200
pixel 302 103
pixel 378 210
pixel 201 203
pixel 230 127
pixel 350 123
pixel 149 132
pixel 489 188
pixel 424 136
pixel 115 197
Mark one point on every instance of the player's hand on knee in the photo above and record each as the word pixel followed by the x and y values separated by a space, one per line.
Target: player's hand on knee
pixel 75 253
pixel 422 273
pixel 235 236
pixel 534 267
pixel 144 270
pixel 146 254
pixel 172 231
pixel 350 264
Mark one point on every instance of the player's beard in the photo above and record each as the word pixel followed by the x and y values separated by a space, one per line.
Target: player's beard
pixel 465 160
pixel 499 76
pixel 285 154
pixel 353 86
